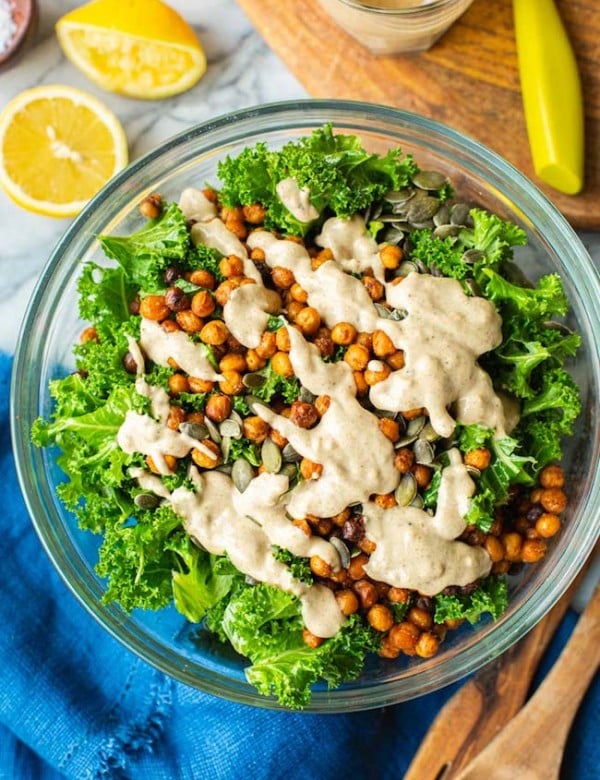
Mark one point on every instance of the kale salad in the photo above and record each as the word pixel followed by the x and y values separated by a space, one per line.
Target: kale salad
pixel 318 407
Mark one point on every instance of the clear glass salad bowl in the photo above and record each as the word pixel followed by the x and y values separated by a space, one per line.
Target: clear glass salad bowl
pixel 51 327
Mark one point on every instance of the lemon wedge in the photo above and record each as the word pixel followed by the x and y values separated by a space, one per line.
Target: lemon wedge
pixel 58 147
pixel 139 48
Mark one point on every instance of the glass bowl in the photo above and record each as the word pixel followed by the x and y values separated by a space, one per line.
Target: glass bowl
pixel 165 639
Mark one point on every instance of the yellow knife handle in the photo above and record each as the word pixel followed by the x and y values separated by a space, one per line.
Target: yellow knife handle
pixel 552 97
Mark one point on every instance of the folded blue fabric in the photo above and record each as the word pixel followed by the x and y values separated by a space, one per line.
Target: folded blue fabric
pixel 74 703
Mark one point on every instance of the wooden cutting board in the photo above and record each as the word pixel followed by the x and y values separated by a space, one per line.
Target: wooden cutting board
pixel 468 80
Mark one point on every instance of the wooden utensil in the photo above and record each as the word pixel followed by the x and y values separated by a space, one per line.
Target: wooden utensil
pixel 468 80
pixel 477 712
pixel 531 746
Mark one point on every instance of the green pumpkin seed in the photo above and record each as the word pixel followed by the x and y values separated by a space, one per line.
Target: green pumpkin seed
pixel 194 430
pixel 342 550
pixel 428 433
pixel 415 426
pixel 459 213
pixel 146 501
pixel 407 267
pixel 422 210
pixel 271 456
pixel 472 256
pixel 225 447
pixel 429 180
pixel 399 196
pixel 406 490
pixel 253 380
pixel 445 231
pixel 213 431
pixel 230 428
pixel 424 452
pixel 290 455
pixel 473 287
pixel 473 471
pixel 392 236
pixel 442 215
pixel 417 502
pixel 288 470
pixel 242 474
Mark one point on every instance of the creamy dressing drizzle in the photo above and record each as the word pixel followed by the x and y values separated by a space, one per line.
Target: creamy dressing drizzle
pixel 196 206
pixel 215 235
pixel 357 458
pixel 247 311
pixel 420 552
pixel 296 200
pixel 159 346
pixel 352 245
pixel 216 515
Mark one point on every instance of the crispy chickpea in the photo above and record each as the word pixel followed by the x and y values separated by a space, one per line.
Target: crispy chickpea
pixel 396 360
pixel 175 418
pixel 169 326
pixel 282 365
pixel 309 469
pixel 380 618
pixel 398 595
pixel 267 346
pixel 366 592
pixel 308 320
pixel 356 569
pixel 254 213
pixel 303 415
pixel 343 333
pixel 376 372
pixel 373 287
pixel 501 567
pixel 224 290
pixel 204 459
pixel 232 362
pixel 322 404
pixel 320 258
pixel 427 645
pixel 258 255
pixel 277 438
pixel 385 500
pixel 494 548
pixel 293 309
pixel 341 517
pixel 319 567
pixel 232 265
pixel 422 475
pixel 547 525
pixel 357 356
pixel 310 639
pixel 282 277
pixel 412 414
pixel 298 293
pixel 202 303
pixel 405 636
pixel 253 360
pixel 202 278
pixel 552 477
pixel 231 384
pixel 198 385
pixel 214 333
pixel 390 256
pixel 231 212
pixel 210 194
pixel 324 527
pixel 154 307
pixel 389 428
pixel 282 340
pixel 420 617
pixel 383 346
pixel 533 550
pixel 188 321
pixel 178 384
pixel 255 429
pixel 362 388
pixel 237 227
pixel 218 407
pixel 365 340
pixel 151 206
pixel 170 462
pixel 512 546
pixel 303 525
pixel 535 496
pixel 479 458
pixel 553 500
pixel 367 545
pixel 387 649
pixel 404 460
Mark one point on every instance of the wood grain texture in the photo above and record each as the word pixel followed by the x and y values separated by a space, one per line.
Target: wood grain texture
pixel 468 80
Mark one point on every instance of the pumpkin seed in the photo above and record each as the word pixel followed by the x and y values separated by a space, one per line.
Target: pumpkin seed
pixel 406 490
pixel 238 418
pixel 288 470
pixel 422 209
pixel 473 287
pixel 290 455
pixel 435 271
pixel 253 380
pixel 426 224
pixel 225 447
pixel 429 180
pixel 407 267
pixel 382 311
pixel 472 256
pixel 559 327
pixel 445 231
pixel 428 433
pixel 250 580
pixel 405 441
pixel 417 502
pixel 392 236
pixel 342 550
pixel 194 430
pixel 388 218
pixel 442 215
pixel 306 396
pixel 271 456
pixel 459 214
pixel 213 431
pixel 415 426
pixel 473 471
pixel 146 501
pixel 230 428
pixel 242 474
pixel 399 196
pixel 225 469
pixel 424 452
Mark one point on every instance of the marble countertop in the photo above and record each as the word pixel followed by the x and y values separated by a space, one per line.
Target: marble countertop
pixel 242 72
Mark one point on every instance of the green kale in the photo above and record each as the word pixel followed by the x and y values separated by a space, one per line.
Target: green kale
pixel 398 610
pixel 145 255
pixel 342 177
pixel 204 258
pixel 240 406
pixel 275 384
pixel 299 567
pixel 491 596
pixel 244 448
pixel 543 301
pixel 275 322
pixel 430 495
pixel 104 297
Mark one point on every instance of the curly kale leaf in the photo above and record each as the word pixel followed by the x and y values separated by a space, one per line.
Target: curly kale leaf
pixel 299 567
pixel 491 596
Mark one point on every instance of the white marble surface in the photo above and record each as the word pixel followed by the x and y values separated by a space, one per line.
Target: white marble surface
pixel 242 72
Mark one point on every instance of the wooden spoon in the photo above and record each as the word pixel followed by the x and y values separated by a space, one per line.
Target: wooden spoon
pixel 531 746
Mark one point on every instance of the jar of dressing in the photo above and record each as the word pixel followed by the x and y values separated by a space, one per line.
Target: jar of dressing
pixel 395 26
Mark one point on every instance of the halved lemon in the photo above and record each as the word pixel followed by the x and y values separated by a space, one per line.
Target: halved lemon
pixel 139 48
pixel 58 147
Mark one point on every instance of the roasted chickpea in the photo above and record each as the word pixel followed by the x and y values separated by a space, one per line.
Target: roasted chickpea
pixel 198 385
pixel 347 601
pixel 357 356
pixel 309 469
pixel 553 500
pixel 154 307
pixel 420 617
pixel 398 595
pixel 232 265
pixel 479 458
pixel 405 636
pixel 214 333
pixel 341 517
pixel 202 278
pixel 294 308
pixel 547 525
pixel 368 546
pixel 319 567
pixel 365 340
pixel 218 407
pixel 303 415
pixel 343 333
pixel 224 290
pixel 404 460
pixel 512 546
pixel 552 477
pixel 308 320
pixel 396 360
pixel 366 592
pixel 373 287
pixel 175 418
pixel 254 213
pixel 383 346
pixel 380 618
pixel 268 345
pixel 389 428
pixel 253 360
pixel 494 548
pixel 282 365
pixel 356 569
pixel 231 384
pixel 303 525
pixel 376 372
pixel 387 649
pixel 298 293
pixel 170 463
pixel 258 255
pixel 202 304
pixel 310 639
pixel 427 645
pixel 390 256
pixel 362 388
pixel 412 414
pixel 233 362
pixel 322 404
pixel 151 206
pixel 422 475
pixel 169 326
pixel 282 277
pixel 237 227
pixel 209 456
pixel 178 384
pixel 278 439
pixel 255 429
pixel 385 500
pixel 188 321
pixel 282 340
pixel 320 258
pixel 533 550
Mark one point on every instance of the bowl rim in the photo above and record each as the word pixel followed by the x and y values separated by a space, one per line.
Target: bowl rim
pixel 298 114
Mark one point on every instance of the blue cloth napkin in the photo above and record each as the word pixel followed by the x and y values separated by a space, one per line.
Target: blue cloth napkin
pixel 74 703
